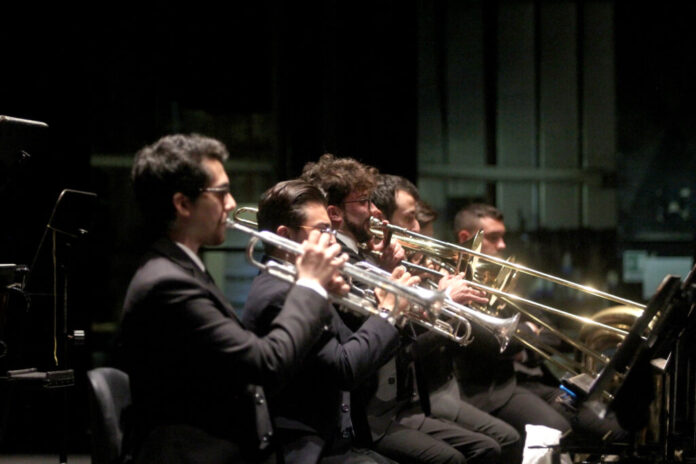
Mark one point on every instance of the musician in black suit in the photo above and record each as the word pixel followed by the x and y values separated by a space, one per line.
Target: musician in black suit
pixel 197 374
pixel 396 423
pixel 513 386
pixel 398 200
pixel 348 186
pixel 487 378
pixel 312 412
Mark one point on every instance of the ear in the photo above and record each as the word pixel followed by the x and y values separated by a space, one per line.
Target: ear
pixel 335 215
pixel 464 235
pixel 283 231
pixel 182 204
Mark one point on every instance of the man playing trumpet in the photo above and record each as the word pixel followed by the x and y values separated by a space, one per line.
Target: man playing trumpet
pixel 197 374
pixel 312 411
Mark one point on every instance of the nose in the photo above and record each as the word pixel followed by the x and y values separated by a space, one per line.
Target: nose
pixel 230 204
pixel 374 211
pixel 415 227
pixel 501 244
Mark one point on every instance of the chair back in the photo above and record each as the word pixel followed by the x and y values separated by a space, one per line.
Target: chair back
pixel 109 392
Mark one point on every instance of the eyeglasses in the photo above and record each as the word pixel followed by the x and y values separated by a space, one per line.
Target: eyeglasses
pixel 222 191
pixel 324 229
pixel 365 200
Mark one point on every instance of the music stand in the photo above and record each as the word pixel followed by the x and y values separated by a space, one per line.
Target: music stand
pixel 668 313
pixel 70 220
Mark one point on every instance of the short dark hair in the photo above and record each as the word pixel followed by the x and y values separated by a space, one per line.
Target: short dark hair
pixel 425 214
pixel 337 177
pixel 283 204
pixel 468 217
pixel 172 164
pixel 384 196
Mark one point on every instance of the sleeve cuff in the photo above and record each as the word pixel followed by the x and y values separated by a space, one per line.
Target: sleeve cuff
pixel 313 285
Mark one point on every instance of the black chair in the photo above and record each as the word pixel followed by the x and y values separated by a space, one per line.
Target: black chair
pixel 109 392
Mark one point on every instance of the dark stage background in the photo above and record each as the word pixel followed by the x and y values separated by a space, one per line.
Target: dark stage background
pixel 278 81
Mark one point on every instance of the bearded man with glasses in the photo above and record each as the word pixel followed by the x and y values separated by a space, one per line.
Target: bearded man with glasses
pixel 348 186
pixel 312 412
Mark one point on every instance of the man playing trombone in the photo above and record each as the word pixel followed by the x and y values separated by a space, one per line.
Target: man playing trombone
pixel 398 426
pixel 348 186
pixel 197 374
pixel 521 371
pixel 397 199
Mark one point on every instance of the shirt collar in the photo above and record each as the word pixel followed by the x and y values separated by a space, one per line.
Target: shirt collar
pixel 194 257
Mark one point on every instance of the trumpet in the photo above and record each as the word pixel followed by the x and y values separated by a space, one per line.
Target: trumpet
pixel 427 301
pixel 441 314
pixel 456 313
pixel 508 273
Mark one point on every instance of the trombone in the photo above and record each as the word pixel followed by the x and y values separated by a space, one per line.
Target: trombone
pixel 440 313
pixel 509 271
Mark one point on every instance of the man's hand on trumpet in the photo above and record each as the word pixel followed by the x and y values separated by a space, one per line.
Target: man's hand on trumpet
pixel 321 261
pixel 388 301
pixel 459 291
pixel 391 253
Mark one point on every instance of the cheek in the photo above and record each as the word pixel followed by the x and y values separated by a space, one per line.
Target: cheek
pixel 350 212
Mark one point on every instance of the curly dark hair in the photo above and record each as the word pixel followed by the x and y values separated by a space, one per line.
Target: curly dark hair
pixel 337 177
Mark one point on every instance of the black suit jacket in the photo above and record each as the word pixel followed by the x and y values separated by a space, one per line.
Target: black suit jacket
pixel 396 387
pixel 316 401
pixel 486 376
pixel 192 362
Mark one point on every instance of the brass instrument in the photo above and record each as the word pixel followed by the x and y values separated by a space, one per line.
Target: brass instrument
pixel 436 311
pixel 426 301
pixel 440 255
pixel 499 287
pixel 456 313
pixel 237 216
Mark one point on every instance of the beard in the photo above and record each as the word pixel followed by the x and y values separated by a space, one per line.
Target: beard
pixel 359 231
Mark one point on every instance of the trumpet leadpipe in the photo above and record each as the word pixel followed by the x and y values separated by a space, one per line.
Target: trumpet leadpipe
pixel 428 299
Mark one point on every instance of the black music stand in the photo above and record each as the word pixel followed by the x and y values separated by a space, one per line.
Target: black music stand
pixel 69 222
pixel 670 315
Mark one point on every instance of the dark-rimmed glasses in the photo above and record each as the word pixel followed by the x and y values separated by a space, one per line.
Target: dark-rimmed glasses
pixel 365 200
pixel 321 228
pixel 222 191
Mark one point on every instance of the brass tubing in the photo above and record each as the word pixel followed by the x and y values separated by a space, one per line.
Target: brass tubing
pixel 517 267
pixel 561 335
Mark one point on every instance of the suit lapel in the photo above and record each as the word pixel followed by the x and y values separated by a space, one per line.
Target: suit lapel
pixel 353 257
pixel 172 251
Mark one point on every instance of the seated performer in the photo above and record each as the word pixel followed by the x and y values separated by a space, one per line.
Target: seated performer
pixel 489 380
pixel 395 423
pixel 398 199
pixel 312 412
pixel 487 377
pixel 524 368
pixel 348 186
pixel 197 374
